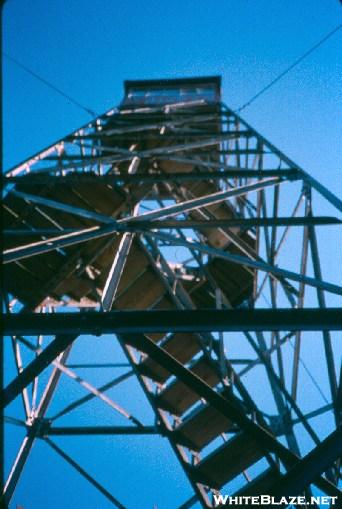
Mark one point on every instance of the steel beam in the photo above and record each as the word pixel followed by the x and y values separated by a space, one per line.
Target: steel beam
pixel 280 388
pixel 68 239
pixel 242 260
pixel 64 207
pixel 85 474
pixel 210 199
pixel 226 406
pixel 115 273
pixel 72 236
pixel 113 279
pixel 30 372
pixel 88 387
pixel 38 179
pixel 99 430
pixel 19 252
pixel 328 195
pixel 172 210
pixel 329 354
pixel 97 232
pixel 16 470
pixel 68 325
pixel 243 223
pixel 28 441
pixel 89 397
pixel 19 366
pixel 308 469
pixel 127 155
pixel 132 324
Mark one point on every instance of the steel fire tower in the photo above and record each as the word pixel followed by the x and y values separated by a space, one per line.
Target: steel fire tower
pixel 174 228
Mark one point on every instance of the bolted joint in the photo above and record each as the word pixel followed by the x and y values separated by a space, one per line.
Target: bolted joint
pixel 307 190
pixel 281 424
pixel 39 427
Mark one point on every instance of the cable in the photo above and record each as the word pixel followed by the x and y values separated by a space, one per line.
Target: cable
pixel 50 85
pixel 310 376
pixel 281 75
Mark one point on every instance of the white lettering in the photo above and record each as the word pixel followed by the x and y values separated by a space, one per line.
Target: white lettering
pixel 234 500
pixel 220 499
pixel 265 499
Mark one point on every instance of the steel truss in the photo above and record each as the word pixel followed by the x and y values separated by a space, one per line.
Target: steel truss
pixel 175 226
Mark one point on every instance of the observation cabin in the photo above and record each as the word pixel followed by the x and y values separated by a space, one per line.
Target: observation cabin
pixel 172 91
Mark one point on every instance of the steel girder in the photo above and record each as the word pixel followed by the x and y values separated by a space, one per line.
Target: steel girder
pixel 245 173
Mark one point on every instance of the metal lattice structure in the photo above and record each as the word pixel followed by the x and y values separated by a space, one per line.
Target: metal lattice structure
pixel 173 224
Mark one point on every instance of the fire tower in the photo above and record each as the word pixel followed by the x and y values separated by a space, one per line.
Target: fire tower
pixel 171 227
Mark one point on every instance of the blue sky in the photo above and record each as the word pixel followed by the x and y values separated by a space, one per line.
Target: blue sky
pixel 87 49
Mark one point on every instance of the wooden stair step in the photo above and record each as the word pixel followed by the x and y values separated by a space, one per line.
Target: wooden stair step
pixel 182 346
pixel 136 263
pixel 142 293
pixel 201 427
pixel 261 484
pixel 178 397
pixel 228 461
pixel 101 197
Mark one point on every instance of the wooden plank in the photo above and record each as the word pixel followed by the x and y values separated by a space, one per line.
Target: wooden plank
pixel 38 266
pixel 103 252
pixel 201 427
pixel 136 264
pixel 142 293
pixel 65 195
pixel 178 397
pixel 175 167
pixel 181 346
pixel 234 280
pixel 20 283
pixel 228 461
pixel 102 198
pixel 165 303
pixel 260 484
pixel 73 286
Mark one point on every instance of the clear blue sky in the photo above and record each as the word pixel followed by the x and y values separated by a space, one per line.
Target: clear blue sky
pixel 87 48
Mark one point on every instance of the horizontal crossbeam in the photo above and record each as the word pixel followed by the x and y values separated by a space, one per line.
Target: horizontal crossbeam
pixel 36 179
pixel 16 253
pixel 99 430
pixel 248 262
pixel 67 326
pixel 243 223
pixel 201 320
